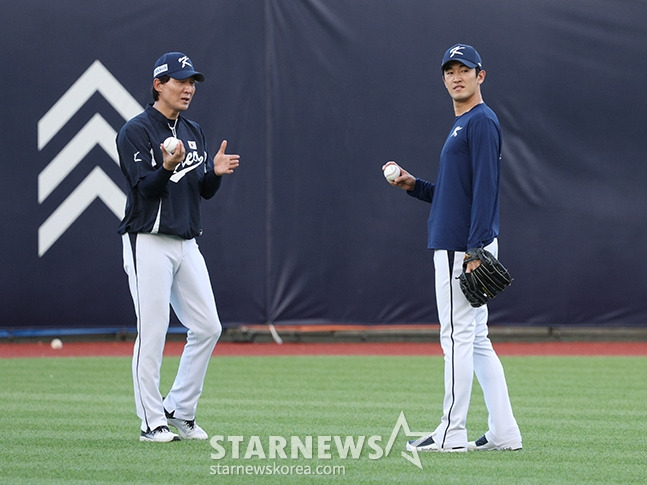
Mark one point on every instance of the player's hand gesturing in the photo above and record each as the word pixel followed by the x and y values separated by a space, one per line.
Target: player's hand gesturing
pixel 224 163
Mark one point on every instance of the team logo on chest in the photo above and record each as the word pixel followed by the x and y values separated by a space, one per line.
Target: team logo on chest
pixel 192 161
pixel 456 130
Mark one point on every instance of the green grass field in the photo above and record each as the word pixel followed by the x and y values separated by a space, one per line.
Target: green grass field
pixel 72 420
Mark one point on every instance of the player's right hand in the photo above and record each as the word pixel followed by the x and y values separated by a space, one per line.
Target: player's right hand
pixel 405 180
pixel 171 161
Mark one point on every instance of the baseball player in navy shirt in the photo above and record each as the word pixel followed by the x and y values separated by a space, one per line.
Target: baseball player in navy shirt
pixel 464 216
pixel 161 257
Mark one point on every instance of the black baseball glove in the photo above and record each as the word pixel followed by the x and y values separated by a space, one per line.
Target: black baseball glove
pixel 486 281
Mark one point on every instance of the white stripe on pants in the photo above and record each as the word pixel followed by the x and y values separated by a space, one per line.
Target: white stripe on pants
pixel 468 350
pixel 165 270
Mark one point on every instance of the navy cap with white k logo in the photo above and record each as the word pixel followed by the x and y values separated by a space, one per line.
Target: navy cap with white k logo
pixel 176 65
pixel 463 53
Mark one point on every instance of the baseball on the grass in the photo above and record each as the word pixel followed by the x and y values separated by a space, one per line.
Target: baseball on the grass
pixel 170 144
pixel 392 172
pixel 56 344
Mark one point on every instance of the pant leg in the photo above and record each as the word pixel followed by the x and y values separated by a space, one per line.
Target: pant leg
pixel 457 327
pixel 503 429
pixel 194 304
pixel 148 261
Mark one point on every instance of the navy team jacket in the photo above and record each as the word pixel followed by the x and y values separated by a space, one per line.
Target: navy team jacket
pixel 160 201
pixel 464 200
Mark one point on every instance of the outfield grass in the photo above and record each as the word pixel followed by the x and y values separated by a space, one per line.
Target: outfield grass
pixel 72 420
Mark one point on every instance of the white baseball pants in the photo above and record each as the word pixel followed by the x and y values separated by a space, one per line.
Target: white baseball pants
pixel 161 270
pixel 467 350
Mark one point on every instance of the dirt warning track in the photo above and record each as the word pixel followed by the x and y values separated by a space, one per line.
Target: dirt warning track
pixel 123 349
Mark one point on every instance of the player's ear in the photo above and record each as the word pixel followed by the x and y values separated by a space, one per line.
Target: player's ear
pixel 480 76
pixel 155 89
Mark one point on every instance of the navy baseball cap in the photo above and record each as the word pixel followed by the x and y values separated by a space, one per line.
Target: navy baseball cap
pixel 176 65
pixel 463 53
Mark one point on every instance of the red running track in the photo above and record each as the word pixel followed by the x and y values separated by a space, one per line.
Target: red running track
pixel 95 349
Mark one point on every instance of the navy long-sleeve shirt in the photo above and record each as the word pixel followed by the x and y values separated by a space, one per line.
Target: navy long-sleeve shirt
pixel 464 200
pixel 159 200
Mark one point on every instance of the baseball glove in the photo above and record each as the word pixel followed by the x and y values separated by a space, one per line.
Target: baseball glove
pixel 486 281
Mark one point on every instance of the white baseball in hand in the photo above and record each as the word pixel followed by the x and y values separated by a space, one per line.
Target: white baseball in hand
pixel 392 172
pixel 170 144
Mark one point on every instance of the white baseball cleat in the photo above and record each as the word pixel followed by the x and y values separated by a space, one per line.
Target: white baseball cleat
pixel 186 427
pixel 161 434
pixel 483 444
pixel 427 443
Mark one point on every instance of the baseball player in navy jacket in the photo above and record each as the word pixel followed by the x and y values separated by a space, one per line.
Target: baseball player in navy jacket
pixel 464 216
pixel 161 256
